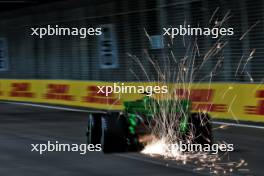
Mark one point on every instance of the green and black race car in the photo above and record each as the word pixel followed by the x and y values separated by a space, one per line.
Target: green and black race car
pixel 123 131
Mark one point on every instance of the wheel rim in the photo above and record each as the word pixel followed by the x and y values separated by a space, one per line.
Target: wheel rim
pixel 103 131
pixel 89 130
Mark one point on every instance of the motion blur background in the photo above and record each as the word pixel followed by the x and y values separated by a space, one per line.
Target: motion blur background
pixel 124 23
pixel 55 61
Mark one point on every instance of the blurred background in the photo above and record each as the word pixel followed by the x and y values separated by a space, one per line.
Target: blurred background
pixel 125 22
pixel 130 27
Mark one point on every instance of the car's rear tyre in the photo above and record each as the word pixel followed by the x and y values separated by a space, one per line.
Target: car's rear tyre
pixel 200 128
pixel 94 128
pixel 114 133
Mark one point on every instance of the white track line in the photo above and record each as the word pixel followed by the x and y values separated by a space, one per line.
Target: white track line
pixel 239 125
pixel 90 111
pixel 53 107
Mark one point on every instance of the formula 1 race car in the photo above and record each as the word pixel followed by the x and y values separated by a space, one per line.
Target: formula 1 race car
pixel 126 130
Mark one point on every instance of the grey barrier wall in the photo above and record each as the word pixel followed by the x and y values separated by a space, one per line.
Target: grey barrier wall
pixel 129 24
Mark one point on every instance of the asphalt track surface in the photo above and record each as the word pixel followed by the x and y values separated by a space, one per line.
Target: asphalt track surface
pixel 21 126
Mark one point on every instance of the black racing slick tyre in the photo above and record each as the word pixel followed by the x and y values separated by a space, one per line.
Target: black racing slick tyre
pixel 114 138
pixel 200 128
pixel 94 129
